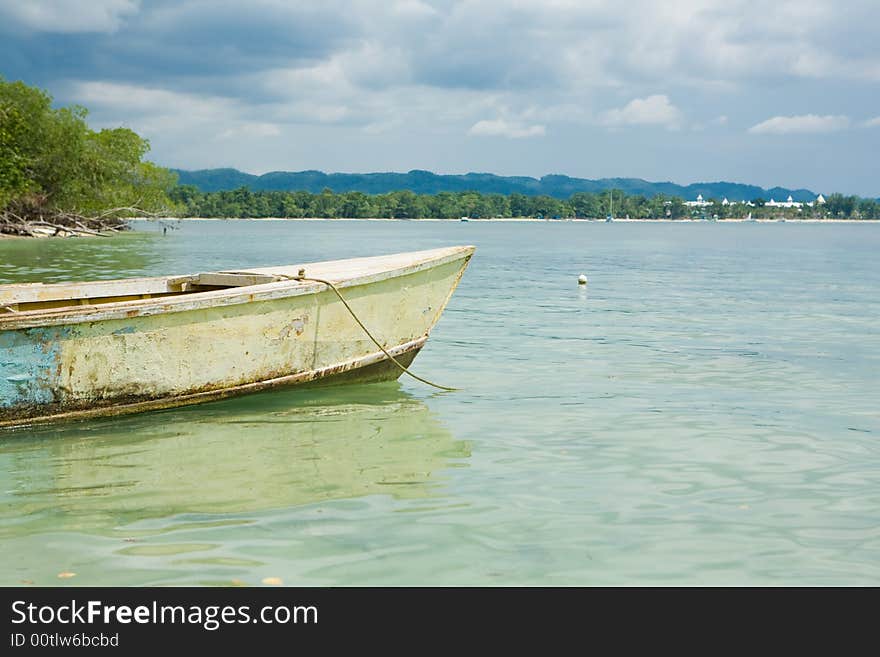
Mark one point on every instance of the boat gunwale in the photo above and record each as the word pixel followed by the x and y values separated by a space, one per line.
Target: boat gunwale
pixel 232 296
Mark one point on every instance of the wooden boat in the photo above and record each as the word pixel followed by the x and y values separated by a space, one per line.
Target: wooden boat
pixel 78 350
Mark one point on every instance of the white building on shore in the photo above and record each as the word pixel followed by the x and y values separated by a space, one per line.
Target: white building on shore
pixel 791 203
pixel 699 203
pixel 788 203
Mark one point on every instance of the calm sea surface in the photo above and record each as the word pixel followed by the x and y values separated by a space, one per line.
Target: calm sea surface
pixel 707 411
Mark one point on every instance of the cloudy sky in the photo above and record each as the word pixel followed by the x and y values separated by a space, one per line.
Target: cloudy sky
pixel 772 92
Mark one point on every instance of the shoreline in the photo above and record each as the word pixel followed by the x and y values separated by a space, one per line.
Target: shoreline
pixel 529 220
pixel 507 220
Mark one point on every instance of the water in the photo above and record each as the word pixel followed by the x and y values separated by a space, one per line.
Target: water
pixel 705 412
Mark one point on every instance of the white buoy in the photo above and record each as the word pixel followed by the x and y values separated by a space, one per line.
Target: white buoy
pixel 582 279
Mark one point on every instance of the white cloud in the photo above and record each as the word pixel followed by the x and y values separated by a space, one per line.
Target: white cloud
pixel 804 123
pixel 563 112
pixel 255 130
pixel 872 123
pixel 412 8
pixel 504 128
pixel 67 17
pixel 153 108
pixel 817 64
pixel 653 110
pixel 134 99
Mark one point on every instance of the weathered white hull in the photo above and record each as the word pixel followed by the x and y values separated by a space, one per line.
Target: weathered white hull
pixel 205 337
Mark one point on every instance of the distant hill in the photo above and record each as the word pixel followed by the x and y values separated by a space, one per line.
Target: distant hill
pixel 426 182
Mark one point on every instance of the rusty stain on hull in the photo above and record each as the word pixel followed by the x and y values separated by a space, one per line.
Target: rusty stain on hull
pixel 87 360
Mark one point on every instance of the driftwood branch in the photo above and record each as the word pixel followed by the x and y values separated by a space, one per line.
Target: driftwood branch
pixel 78 228
pixel 37 221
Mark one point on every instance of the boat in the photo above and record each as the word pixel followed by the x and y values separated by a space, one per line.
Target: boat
pixel 104 348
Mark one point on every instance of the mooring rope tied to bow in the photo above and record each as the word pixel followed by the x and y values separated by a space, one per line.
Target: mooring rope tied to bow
pixel 301 276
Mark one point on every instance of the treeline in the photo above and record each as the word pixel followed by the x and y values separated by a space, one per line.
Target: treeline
pixel 243 202
pixel 56 171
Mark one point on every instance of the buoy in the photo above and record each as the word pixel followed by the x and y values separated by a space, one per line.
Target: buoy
pixel 582 280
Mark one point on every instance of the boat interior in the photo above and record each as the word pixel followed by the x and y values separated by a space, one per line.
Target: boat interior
pixel 17 298
pixel 21 298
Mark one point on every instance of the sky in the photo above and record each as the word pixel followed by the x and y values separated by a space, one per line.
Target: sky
pixel 772 92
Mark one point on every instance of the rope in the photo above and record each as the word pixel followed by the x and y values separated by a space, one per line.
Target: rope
pixel 301 276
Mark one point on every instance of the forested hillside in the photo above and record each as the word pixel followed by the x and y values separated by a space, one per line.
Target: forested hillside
pixel 426 182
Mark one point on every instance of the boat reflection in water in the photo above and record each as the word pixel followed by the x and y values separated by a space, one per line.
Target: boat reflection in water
pixel 267 451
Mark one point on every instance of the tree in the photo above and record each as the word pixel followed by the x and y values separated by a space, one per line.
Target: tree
pixel 839 205
pixel 51 161
pixel 14 180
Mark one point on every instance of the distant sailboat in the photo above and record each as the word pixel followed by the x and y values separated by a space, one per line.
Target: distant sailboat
pixel 610 216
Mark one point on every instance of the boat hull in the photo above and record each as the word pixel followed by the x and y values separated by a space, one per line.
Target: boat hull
pixel 135 356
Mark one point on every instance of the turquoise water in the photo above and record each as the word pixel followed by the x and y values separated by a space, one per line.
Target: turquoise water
pixel 705 412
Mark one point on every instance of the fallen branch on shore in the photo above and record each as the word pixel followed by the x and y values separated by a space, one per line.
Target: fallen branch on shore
pixel 34 222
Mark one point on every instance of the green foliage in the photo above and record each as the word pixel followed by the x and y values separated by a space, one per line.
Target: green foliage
pixel 14 180
pixel 839 205
pixel 243 202
pixel 51 160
